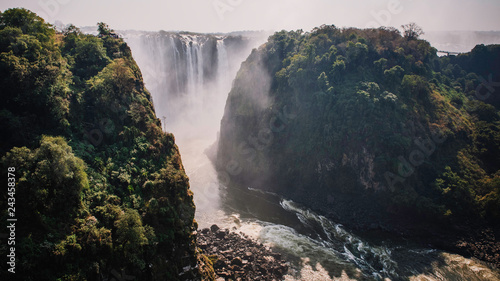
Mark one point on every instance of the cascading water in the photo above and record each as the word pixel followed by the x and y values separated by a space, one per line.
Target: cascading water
pixel 194 69
pixel 189 76
pixel 222 63
pixel 178 69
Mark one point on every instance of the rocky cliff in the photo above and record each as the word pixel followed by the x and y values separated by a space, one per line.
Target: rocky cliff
pixel 100 191
pixel 369 127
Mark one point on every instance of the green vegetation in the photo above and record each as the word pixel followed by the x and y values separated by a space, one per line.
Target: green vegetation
pixel 101 190
pixel 384 130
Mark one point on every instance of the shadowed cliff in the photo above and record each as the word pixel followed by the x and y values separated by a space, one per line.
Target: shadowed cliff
pixel 373 129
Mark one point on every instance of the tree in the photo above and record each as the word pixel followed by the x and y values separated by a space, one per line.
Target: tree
pixel 412 31
pixel 415 86
pixel 338 68
pixel 72 35
pixel 394 75
pixel 323 82
pixel 71 29
pixel 357 52
pixel 50 181
pixel 131 236
pixel 90 57
pixel 104 30
pixel 29 22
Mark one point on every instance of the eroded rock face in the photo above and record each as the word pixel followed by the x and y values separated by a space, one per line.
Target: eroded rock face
pixel 237 257
pixel 373 135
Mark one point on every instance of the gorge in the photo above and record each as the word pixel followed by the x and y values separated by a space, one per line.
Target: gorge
pixel 337 154
pixel 242 198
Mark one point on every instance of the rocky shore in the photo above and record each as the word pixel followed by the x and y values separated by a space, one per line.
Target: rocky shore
pixel 237 257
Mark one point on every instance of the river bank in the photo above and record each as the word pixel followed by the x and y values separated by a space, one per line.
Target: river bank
pixel 237 257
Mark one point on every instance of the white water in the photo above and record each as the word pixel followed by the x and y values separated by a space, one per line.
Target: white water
pixel 189 101
pixel 186 98
pixel 192 103
pixel 323 250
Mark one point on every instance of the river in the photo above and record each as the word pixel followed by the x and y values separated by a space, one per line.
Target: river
pixel 316 247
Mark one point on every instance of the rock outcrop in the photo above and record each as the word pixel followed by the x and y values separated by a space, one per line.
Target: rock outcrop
pixel 237 257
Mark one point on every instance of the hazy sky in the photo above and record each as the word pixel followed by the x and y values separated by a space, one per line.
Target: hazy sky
pixel 235 15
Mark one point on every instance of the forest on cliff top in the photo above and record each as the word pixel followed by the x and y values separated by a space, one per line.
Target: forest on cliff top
pixel 370 127
pixel 100 191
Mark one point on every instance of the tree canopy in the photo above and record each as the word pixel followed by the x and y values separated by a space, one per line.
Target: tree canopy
pixel 412 31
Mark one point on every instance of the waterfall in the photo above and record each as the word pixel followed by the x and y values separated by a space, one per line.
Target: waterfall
pixel 190 72
pixel 195 75
pixel 189 76
pixel 176 59
pixel 179 70
pixel 222 62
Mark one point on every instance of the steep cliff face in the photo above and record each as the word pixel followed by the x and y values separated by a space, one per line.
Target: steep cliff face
pixel 105 195
pixel 367 126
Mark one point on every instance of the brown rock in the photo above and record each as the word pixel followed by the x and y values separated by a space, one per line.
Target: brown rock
pixel 214 228
pixel 237 261
pixel 220 234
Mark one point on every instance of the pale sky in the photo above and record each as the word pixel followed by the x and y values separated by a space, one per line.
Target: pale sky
pixel 237 15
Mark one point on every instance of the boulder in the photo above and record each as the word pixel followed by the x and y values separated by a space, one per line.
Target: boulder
pixel 237 261
pixel 214 228
pixel 221 234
